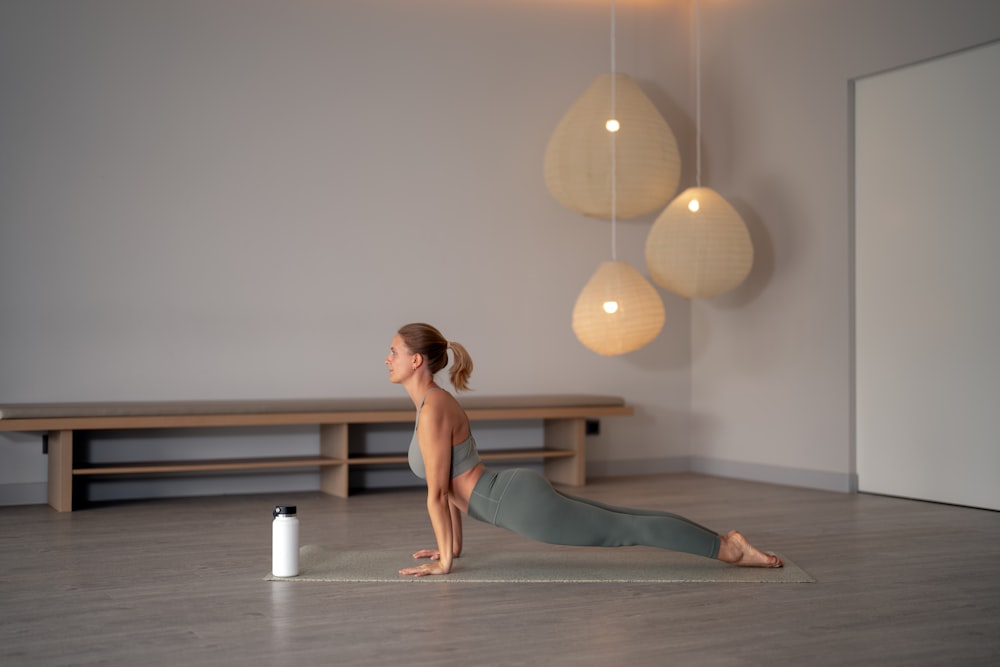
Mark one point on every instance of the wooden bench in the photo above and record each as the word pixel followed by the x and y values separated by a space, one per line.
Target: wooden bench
pixel 563 416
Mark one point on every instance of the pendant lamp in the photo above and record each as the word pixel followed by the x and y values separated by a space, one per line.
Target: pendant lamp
pixel 699 247
pixel 578 159
pixel 618 311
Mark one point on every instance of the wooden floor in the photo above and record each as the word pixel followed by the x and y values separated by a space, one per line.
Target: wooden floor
pixel 180 582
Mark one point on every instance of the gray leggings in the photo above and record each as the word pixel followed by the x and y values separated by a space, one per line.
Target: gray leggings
pixel 523 501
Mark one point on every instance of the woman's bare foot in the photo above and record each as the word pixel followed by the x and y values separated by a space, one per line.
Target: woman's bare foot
pixel 735 549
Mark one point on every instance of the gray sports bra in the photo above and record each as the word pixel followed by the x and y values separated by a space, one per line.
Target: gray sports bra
pixel 464 455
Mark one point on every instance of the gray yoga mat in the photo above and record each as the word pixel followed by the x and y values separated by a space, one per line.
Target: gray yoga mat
pixel 555 565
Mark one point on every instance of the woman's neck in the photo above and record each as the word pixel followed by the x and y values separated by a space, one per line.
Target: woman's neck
pixel 419 387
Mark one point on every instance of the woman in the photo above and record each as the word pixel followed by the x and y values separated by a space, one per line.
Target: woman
pixel 444 453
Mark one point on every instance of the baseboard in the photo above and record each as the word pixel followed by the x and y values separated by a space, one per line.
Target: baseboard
pixel 674 464
pixel 759 472
pixel 32 493
pixel 754 472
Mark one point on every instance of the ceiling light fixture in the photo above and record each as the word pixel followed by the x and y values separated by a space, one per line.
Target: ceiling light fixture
pixel 618 311
pixel 699 247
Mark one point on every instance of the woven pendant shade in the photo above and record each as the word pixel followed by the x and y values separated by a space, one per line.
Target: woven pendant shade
pixel 699 253
pixel 578 156
pixel 638 310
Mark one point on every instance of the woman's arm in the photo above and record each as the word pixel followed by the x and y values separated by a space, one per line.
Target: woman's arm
pixel 456 529
pixel 456 536
pixel 434 435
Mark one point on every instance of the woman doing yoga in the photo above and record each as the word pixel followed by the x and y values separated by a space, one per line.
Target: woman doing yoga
pixel 444 453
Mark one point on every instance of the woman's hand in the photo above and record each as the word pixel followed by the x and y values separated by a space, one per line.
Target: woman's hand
pixel 425 569
pixel 432 554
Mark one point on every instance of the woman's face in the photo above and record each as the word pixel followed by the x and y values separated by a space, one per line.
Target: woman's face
pixel 400 360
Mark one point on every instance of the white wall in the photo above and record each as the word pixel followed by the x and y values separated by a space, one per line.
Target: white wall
pixel 771 362
pixel 246 198
pixel 927 282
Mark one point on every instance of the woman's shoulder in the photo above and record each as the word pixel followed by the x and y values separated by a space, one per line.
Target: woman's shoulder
pixel 440 397
pixel 442 403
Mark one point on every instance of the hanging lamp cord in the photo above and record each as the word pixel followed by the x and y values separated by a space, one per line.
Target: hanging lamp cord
pixel 697 90
pixel 614 151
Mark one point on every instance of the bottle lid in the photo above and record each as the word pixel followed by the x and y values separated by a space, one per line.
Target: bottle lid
pixel 283 510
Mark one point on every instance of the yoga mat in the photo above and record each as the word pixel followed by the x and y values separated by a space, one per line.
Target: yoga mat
pixel 558 565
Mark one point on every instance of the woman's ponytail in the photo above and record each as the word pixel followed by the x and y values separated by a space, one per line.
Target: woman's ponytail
pixel 461 367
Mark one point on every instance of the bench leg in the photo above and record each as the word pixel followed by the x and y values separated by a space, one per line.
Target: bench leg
pixel 567 434
pixel 61 470
pixel 333 444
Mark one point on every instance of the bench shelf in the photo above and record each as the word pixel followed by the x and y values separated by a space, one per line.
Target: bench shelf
pixel 225 465
pixel 563 417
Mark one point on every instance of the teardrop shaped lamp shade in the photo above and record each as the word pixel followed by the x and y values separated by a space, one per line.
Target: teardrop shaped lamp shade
pixel 699 247
pixel 618 310
pixel 578 155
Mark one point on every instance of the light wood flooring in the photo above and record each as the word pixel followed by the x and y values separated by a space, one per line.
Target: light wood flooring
pixel 180 582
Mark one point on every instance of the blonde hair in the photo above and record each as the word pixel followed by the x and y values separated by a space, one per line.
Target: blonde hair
pixel 426 340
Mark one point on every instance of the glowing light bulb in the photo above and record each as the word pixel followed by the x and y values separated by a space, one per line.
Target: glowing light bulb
pixel 610 307
pixel 612 125
pixel 693 205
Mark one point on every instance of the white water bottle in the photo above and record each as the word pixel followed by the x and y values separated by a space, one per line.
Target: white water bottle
pixel 284 542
